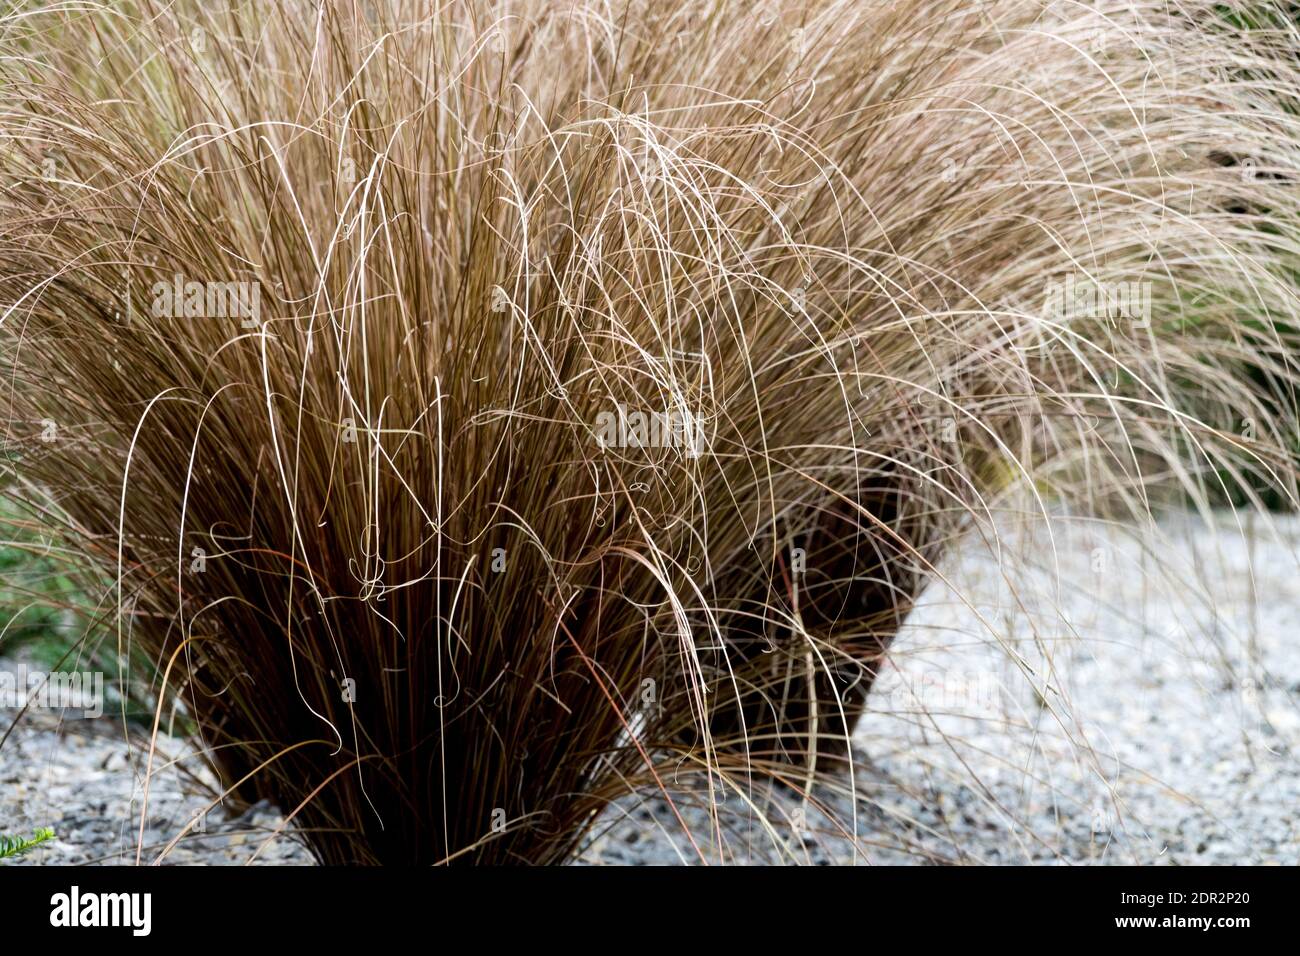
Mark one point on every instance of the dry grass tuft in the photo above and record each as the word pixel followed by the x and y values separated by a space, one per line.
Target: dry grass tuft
pixel 598 384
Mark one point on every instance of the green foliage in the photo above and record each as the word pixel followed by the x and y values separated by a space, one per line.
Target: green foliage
pixel 48 611
pixel 15 846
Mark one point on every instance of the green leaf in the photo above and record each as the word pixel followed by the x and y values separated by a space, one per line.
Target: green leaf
pixel 13 846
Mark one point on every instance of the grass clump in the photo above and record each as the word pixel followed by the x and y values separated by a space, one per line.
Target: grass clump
pixel 331 309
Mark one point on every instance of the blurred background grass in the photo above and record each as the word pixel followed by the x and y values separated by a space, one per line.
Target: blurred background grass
pixel 50 620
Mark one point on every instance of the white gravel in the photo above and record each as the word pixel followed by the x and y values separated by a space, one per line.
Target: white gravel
pixel 81 778
pixel 1087 702
pixel 1094 702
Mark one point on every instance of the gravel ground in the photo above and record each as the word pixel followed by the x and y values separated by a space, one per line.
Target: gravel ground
pixel 77 777
pixel 1089 701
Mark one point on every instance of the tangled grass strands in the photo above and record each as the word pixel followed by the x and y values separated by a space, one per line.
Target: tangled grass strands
pixel 541 402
